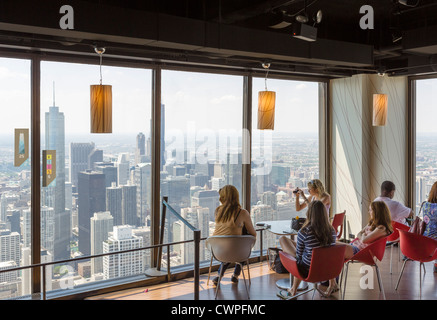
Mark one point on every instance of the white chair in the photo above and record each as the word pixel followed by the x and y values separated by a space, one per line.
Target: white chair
pixel 231 249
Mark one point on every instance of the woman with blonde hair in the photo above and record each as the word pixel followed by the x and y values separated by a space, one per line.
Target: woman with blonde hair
pixel 231 219
pixel 316 232
pixel 379 226
pixel 316 191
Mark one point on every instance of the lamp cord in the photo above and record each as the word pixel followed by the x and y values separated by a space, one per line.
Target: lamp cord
pixel 100 68
pixel 265 80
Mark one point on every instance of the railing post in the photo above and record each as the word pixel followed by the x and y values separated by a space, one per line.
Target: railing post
pixel 261 245
pixel 44 282
pixel 168 263
pixel 196 264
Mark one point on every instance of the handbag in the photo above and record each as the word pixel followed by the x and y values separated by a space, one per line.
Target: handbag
pixel 418 226
pixel 274 260
pixel 297 223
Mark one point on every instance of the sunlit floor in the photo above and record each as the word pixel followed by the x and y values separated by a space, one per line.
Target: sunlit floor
pixel 263 285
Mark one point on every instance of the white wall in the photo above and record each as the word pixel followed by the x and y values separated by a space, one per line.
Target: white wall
pixel 363 156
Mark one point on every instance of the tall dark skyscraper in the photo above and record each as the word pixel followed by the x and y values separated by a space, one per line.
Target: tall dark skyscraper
pixel 129 205
pixel 91 199
pixel 55 140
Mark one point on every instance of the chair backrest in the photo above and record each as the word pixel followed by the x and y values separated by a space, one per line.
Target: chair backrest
pixel 395 235
pixel 417 247
pixel 374 250
pixel 326 263
pixel 231 248
pixel 338 222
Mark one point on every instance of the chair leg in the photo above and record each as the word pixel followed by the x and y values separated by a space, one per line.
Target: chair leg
pixel 345 280
pixel 391 258
pixel 381 287
pixel 420 281
pixel 314 290
pixel 209 272
pixel 245 284
pixel 248 271
pixel 221 274
pixel 400 275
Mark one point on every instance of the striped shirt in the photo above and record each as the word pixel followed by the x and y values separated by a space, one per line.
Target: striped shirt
pixel 306 242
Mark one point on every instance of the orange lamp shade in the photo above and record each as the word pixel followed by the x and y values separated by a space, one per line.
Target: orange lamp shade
pixel 266 110
pixel 379 109
pixel 101 108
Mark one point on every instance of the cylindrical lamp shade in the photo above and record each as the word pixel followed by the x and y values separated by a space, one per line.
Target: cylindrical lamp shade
pixel 379 109
pixel 101 108
pixel 266 110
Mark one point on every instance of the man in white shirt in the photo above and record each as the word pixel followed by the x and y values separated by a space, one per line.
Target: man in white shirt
pixel 398 211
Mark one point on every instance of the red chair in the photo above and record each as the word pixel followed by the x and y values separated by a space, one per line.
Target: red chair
pixel 369 255
pixel 394 239
pixel 338 222
pixel 326 263
pixel 418 248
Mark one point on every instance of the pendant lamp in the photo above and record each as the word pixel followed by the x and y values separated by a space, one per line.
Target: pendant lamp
pixel 266 106
pixel 101 103
pixel 379 109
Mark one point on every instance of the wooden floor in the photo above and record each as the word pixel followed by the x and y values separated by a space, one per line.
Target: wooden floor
pixel 263 285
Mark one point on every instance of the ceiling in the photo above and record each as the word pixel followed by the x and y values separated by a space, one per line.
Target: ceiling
pixel 242 32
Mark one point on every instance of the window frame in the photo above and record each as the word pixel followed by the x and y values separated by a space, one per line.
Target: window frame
pixel 36 57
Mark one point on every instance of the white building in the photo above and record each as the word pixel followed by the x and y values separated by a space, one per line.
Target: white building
pixel 101 224
pixel 125 264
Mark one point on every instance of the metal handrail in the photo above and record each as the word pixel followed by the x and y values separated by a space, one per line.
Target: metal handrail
pixel 196 273
pixel 196 231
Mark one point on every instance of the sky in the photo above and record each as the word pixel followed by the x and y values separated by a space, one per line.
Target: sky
pixel 210 101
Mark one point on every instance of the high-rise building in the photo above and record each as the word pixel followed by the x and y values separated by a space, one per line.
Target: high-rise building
pixel 208 199
pixel 123 168
pixel 10 246
pixel 96 155
pixel 79 153
pixel 126 264
pixel 280 173
pixel 143 182
pixel 198 217
pixel 109 170
pixel 114 203
pixel 140 148
pixel 91 199
pixel 129 205
pixel 55 140
pixel 101 224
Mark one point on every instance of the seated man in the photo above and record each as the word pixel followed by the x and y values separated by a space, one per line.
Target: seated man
pixel 398 211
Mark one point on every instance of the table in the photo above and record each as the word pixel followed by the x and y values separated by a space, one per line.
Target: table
pixel 282 228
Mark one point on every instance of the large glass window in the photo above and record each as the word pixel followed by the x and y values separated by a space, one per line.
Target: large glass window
pixel 99 201
pixel 288 156
pixel 15 177
pixel 202 128
pixel 426 139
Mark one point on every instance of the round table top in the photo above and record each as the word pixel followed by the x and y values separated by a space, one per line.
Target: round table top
pixel 279 227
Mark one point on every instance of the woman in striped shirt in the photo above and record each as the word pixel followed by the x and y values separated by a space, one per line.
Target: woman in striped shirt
pixel 316 232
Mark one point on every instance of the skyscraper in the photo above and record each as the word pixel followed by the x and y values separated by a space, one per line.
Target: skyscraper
pixel 140 148
pixel 91 199
pixel 129 205
pixel 79 153
pixel 142 180
pixel 101 224
pixel 122 168
pixel 114 203
pixel 55 140
pixel 126 264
